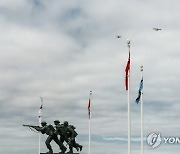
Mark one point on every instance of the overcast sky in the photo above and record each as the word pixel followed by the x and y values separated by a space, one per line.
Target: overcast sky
pixel 62 49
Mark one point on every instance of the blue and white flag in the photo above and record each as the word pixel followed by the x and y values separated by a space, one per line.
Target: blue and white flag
pixel 140 91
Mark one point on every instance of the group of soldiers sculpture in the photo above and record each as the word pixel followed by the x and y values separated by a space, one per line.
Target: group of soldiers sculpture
pixel 66 132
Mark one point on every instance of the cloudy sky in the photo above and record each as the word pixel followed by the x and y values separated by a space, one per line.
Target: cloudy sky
pixel 62 49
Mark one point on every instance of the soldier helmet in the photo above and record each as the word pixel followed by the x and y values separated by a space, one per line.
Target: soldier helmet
pixel 56 121
pixel 73 127
pixel 66 123
pixel 43 122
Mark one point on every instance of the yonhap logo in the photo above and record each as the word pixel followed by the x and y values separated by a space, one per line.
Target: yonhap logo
pixel 154 140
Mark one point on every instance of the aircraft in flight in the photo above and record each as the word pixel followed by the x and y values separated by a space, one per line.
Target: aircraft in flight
pixel 157 29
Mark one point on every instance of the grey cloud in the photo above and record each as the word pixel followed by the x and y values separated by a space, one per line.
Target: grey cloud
pixel 61 50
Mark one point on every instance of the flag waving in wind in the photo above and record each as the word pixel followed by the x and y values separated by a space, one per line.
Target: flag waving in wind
pixel 89 108
pixel 89 105
pixel 140 91
pixel 40 110
pixel 40 120
pixel 89 114
pixel 127 72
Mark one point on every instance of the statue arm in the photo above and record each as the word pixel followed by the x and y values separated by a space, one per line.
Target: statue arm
pixel 40 129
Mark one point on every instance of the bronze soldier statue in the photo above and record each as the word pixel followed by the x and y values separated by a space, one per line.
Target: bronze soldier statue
pixel 50 131
pixel 71 134
pixel 60 130
pixel 67 133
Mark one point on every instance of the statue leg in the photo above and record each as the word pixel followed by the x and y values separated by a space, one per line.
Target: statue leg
pixel 61 146
pixel 47 142
pixel 79 146
pixel 64 138
pixel 61 139
pixel 71 145
pixel 76 145
pixel 70 149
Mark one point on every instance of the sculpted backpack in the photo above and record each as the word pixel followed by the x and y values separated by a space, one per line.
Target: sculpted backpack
pixel 51 129
pixel 73 128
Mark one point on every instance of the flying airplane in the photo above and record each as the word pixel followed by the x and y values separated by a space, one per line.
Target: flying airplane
pixel 118 36
pixel 157 29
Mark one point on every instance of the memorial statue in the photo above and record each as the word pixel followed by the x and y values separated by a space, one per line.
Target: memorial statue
pixel 50 131
pixel 71 134
pixel 61 130
pixel 67 133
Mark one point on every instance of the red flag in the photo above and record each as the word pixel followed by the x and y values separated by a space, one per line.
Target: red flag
pixel 89 108
pixel 127 72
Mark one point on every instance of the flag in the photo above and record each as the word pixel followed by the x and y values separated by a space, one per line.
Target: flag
pixel 89 108
pixel 40 111
pixel 127 72
pixel 140 91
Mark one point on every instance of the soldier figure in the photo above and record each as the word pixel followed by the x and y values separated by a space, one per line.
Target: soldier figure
pixel 71 134
pixel 60 130
pixel 67 133
pixel 50 131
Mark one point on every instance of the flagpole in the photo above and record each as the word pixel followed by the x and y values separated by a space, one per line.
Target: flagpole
pixel 142 127
pixel 89 108
pixel 39 142
pixel 40 120
pixel 129 107
pixel 89 136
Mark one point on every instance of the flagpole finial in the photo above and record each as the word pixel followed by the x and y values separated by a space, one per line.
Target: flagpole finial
pixel 128 42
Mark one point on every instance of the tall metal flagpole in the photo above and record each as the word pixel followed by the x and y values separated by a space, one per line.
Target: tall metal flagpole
pixel 40 120
pixel 142 128
pixel 89 112
pixel 129 107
